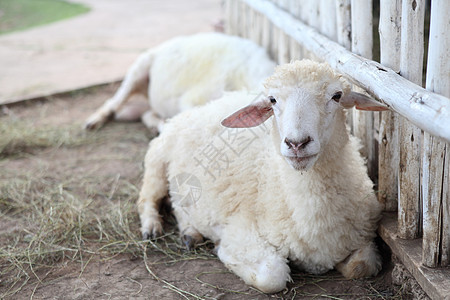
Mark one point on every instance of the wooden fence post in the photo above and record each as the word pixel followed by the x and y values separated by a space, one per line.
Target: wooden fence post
pixel 328 19
pixel 295 51
pixel 344 37
pixel 267 34
pixel 410 136
pixel 388 157
pixel 343 23
pixel 362 43
pixel 283 39
pixel 436 158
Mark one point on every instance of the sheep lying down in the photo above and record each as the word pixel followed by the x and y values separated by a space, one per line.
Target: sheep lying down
pixel 277 180
pixel 185 72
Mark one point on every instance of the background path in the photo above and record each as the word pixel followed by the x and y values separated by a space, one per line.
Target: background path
pixel 96 47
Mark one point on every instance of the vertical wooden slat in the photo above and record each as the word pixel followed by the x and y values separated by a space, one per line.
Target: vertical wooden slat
pixel 304 11
pixel 295 52
pixel 255 26
pixel 245 26
pixel 343 23
pixel 237 17
pixel 435 247
pixel 273 47
pixel 266 39
pixel 390 41
pixel 314 14
pixel 362 39
pixel 436 159
pixel 283 48
pixel 343 37
pixel 229 16
pixel 282 39
pixel 258 27
pixel 445 240
pixel 410 136
pixel 250 23
pixel 328 19
pixel 362 42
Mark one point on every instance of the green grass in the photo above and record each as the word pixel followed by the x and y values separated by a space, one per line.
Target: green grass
pixel 23 14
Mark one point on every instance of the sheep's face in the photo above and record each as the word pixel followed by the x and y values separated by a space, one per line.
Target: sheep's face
pixel 305 117
pixel 306 99
pixel 305 96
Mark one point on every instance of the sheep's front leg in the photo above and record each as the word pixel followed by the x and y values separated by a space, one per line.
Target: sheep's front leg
pixel 253 260
pixel 154 189
pixel 364 262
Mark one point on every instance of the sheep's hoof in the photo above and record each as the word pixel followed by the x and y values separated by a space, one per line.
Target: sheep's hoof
pixel 191 241
pixel 91 125
pixel 188 242
pixel 154 234
pixel 146 236
pixel 96 121
pixel 216 249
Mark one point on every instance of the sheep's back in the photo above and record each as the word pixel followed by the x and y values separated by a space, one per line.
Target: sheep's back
pixel 192 70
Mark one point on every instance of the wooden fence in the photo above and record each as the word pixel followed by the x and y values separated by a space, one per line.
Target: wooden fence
pixel 408 148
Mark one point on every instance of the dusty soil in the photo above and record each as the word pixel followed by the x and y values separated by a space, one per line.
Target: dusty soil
pixel 154 274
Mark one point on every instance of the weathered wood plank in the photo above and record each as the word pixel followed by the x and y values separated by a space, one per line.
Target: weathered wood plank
pixel 362 38
pixel 244 16
pixel 328 19
pixel 436 232
pixel 235 17
pixel 295 50
pixel 410 136
pixel 428 110
pixel 362 44
pixel 435 202
pixel 314 14
pixel 229 16
pixel 343 23
pixel 435 282
pixel 283 47
pixel 344 36
pixel 266 34
pixel 283 39
pixel 258 27
pixel 388 158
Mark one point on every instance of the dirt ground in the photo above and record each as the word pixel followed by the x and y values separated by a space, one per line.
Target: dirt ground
pixel 102 170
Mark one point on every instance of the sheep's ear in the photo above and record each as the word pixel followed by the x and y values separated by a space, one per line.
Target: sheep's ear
pixel 250 116
pixel 361 102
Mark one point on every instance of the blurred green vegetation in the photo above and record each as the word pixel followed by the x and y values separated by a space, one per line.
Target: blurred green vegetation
pixel 22 14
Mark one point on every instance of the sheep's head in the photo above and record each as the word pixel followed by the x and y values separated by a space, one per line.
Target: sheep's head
pixel 306 99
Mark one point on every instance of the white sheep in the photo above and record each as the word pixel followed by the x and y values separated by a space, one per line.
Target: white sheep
pixel 185 72
pixel 292 189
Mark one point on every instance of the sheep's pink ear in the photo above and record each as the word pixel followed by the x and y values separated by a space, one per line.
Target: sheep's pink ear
pixel 361 102
pixel 250 116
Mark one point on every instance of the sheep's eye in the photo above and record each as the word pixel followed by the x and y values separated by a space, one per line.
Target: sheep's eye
pixel 272 100
pixel 337 96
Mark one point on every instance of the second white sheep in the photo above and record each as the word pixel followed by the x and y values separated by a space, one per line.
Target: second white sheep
pixel 185 72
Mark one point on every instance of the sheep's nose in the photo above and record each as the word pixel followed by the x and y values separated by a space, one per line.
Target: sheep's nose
pixel 297 145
